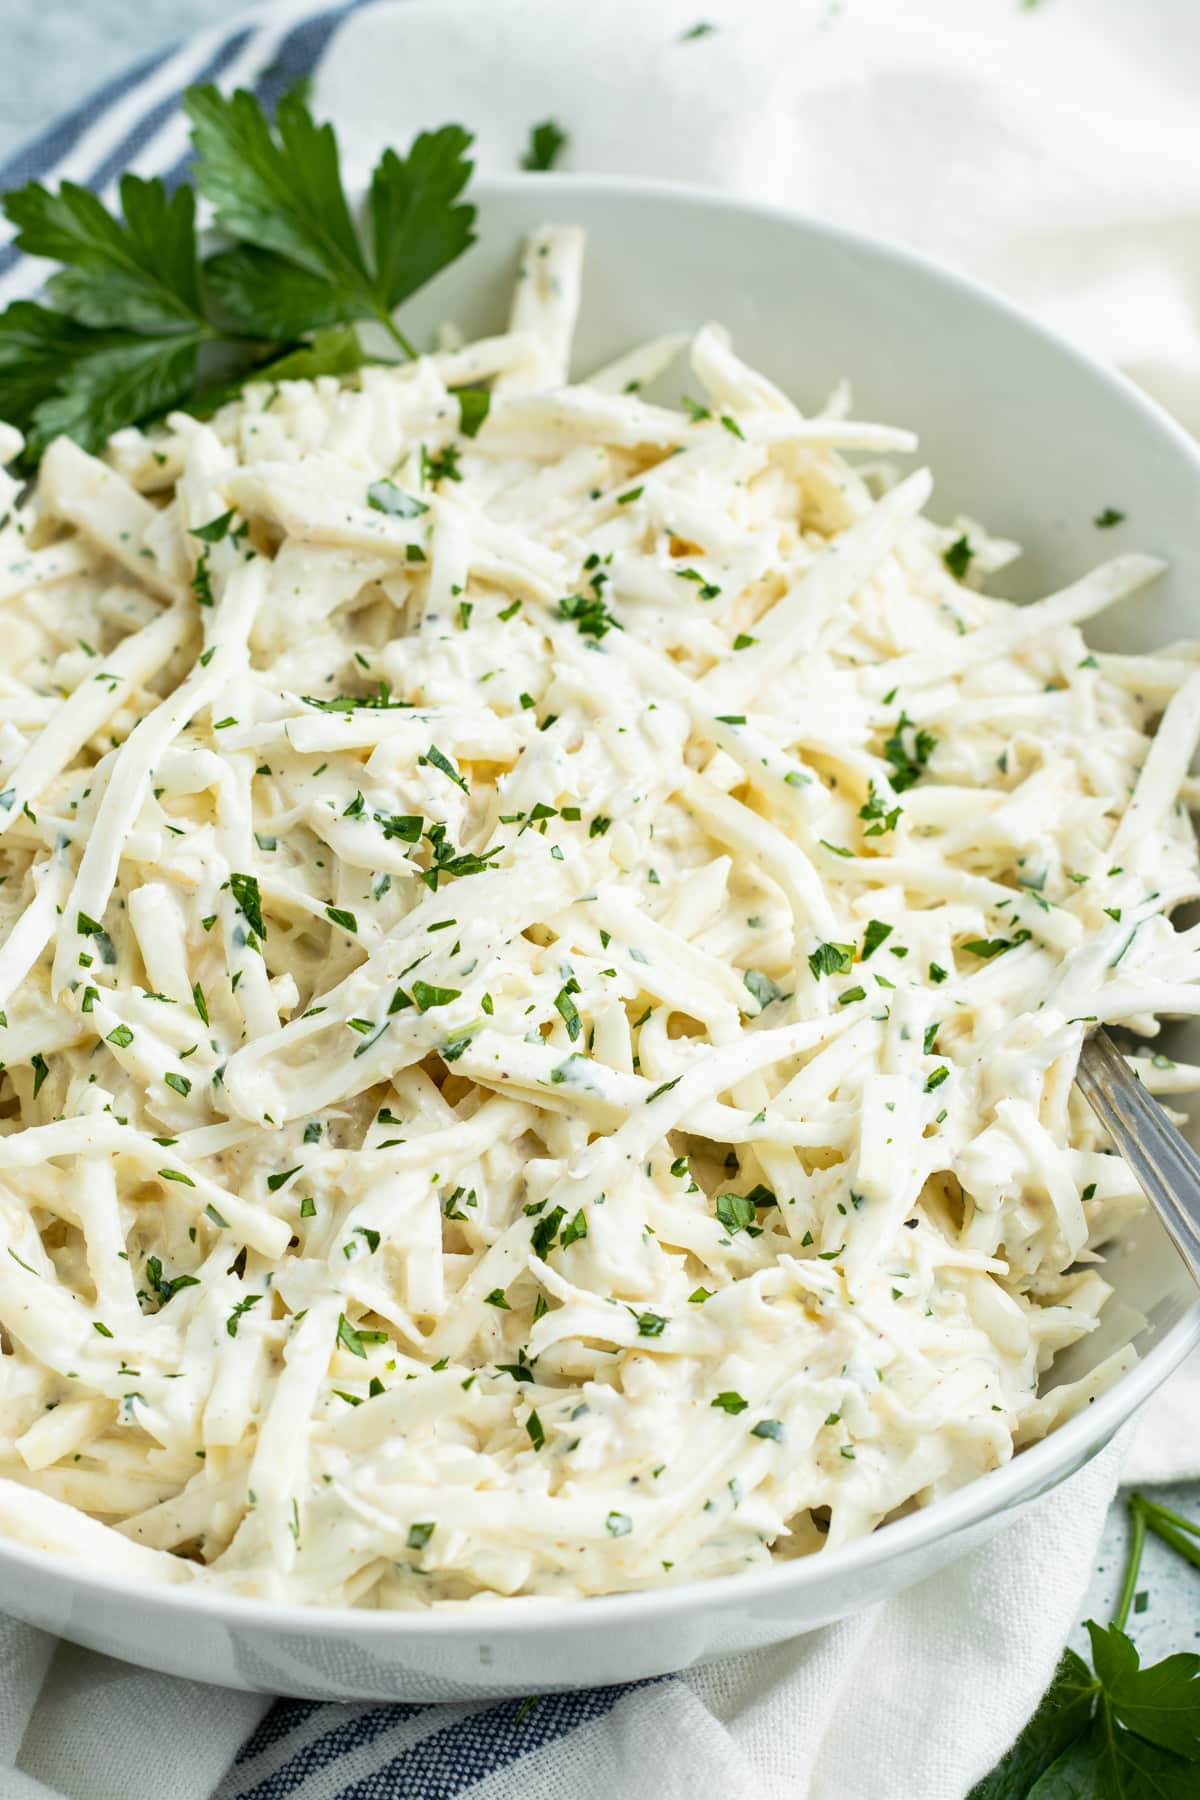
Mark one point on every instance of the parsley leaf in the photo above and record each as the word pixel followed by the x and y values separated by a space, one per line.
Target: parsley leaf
pixel 278 189
pixel 135 313
pixel 58 377
pixel 1124 1730
pixel 137 271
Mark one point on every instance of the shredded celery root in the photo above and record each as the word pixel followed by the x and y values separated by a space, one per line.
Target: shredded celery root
pixel 544 940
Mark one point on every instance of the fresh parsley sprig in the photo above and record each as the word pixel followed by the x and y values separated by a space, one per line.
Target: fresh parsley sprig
pixel 1114 1730
pixel 138 321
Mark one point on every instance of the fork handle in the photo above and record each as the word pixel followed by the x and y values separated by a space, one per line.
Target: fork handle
pixel 1167 1167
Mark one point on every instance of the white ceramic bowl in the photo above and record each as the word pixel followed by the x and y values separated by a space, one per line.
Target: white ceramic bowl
pixel 1020 431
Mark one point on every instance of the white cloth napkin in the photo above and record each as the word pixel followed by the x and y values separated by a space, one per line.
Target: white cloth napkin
pixel 1054 150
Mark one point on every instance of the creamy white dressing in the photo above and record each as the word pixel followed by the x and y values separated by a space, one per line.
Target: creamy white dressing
pixel 542 970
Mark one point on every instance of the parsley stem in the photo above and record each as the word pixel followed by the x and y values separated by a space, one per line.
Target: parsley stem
pixel 1183 1546
pixel 386 319
pixel 1137 1543
pixel 1154 1508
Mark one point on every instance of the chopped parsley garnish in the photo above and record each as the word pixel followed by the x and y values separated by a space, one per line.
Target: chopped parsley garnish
pixel 885 818
pixel 405 826
pixel 427 996
pixel 764 990
pixel 545 1231
pixel 574 1230
pixel 241 1308
pixel 876 933
pixel 166 1287
pixel 730 1402
pixel 908 750
pixel 831 959
pixel 439 760
pixel 589 614
pixel 214 531
pixel 441 466
pixel 567 1009
pixel 547 142
pixel 708 589
pixel 958 557
pixel 736 1211
pixel 386 497
pixel 349 1338
pixel 650 1324
pixel 473 407
pixel 989 947
pixel 244 889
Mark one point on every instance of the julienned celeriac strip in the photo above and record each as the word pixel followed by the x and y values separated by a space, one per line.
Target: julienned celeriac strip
pixel 544 939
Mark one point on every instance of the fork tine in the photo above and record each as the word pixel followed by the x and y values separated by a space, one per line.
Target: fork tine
pixel 1166 1166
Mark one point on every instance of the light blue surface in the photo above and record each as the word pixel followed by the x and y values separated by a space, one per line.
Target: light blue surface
pixel 55 53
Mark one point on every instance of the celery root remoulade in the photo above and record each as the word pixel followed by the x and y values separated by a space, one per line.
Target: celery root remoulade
pixel 544 939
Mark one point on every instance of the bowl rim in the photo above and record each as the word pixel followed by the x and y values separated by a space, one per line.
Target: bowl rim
pixel 1025 1477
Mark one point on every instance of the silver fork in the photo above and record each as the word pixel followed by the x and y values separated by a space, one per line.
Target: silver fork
pixel 1165 1164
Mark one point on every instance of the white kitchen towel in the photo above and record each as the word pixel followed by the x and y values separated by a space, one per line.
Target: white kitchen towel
pixel 1049 147
pixel 911 1701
